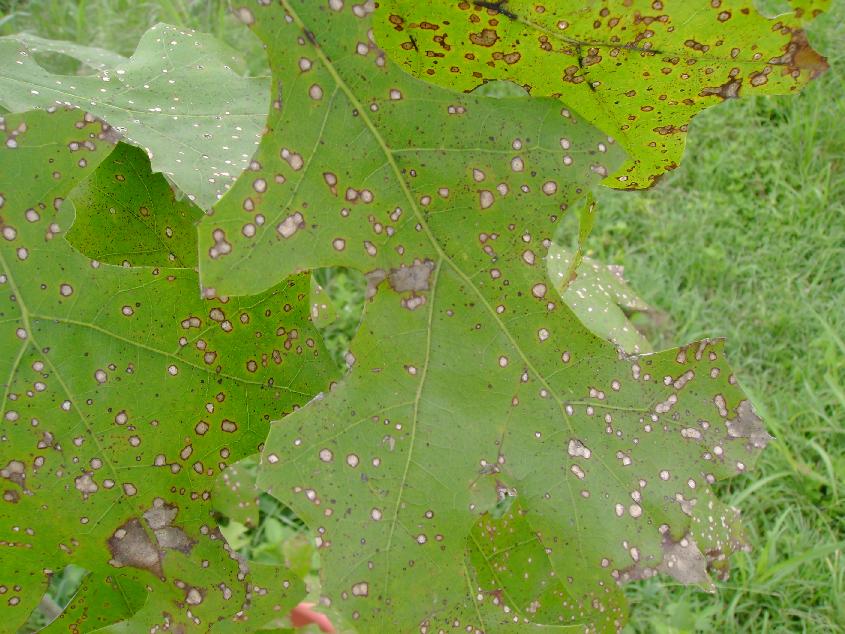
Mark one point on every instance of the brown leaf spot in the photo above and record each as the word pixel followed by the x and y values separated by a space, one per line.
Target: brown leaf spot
pixel 130 546
pixel 748 425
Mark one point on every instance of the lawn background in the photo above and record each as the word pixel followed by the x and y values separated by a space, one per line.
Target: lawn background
pixel 746 240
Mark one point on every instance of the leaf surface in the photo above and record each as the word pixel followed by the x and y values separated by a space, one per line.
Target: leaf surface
pixel 600 297
pixel 126 215
pixel 638 69
pixel 124 396
pixel 177 97
pixel 469 376
pixel 91 56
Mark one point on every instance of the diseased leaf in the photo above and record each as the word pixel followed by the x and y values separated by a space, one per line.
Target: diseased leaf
pixel 115 597
pixel 469 375
pixel 514 576
pixel 124 396
pixel 235 494
pixel 600 297
pixel 127 215
pixel 177 97
pixel 637 69
pixel 323 310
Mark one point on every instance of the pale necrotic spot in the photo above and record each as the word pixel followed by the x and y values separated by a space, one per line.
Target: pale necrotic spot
pixel 485 198
pixel 246 16
pixel 85 485
pixel 315 92
pixel 577 449
pixel 66 290
pixel 293 159
pixel 339 244
pixel 290 225
pixel 376 514
pixel 549 188
pixel 539 290
pixel 517 164
pixel 326 455
pixel 361 589
pixel 221 246
pixel 193 597
pixel 352 460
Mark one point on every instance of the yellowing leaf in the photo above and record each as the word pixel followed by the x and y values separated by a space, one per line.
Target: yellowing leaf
pixel 638 69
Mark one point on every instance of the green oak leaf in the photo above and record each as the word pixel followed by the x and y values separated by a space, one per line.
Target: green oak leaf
pixel 177 97
pixel 600 296
pixel 125 394
pixel 638 69
pixel 127 215
pixel 90 56
pixel 513 575
pixel 469 377
pixel 323 311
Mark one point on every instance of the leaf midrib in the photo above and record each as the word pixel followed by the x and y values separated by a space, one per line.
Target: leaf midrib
pixel 443 258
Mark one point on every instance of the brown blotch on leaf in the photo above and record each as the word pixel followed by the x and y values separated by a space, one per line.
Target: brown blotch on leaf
pixel 413 279
pixel 799 55
pixel 487 37
pixel 15 471
pixel 748 425
pixel 131 546
pixel 682 560
pixel 728 90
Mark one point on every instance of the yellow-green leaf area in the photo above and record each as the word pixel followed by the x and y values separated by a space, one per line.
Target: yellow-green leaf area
pixel 638 69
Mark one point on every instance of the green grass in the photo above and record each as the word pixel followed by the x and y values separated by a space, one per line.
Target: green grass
pixel 746 241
